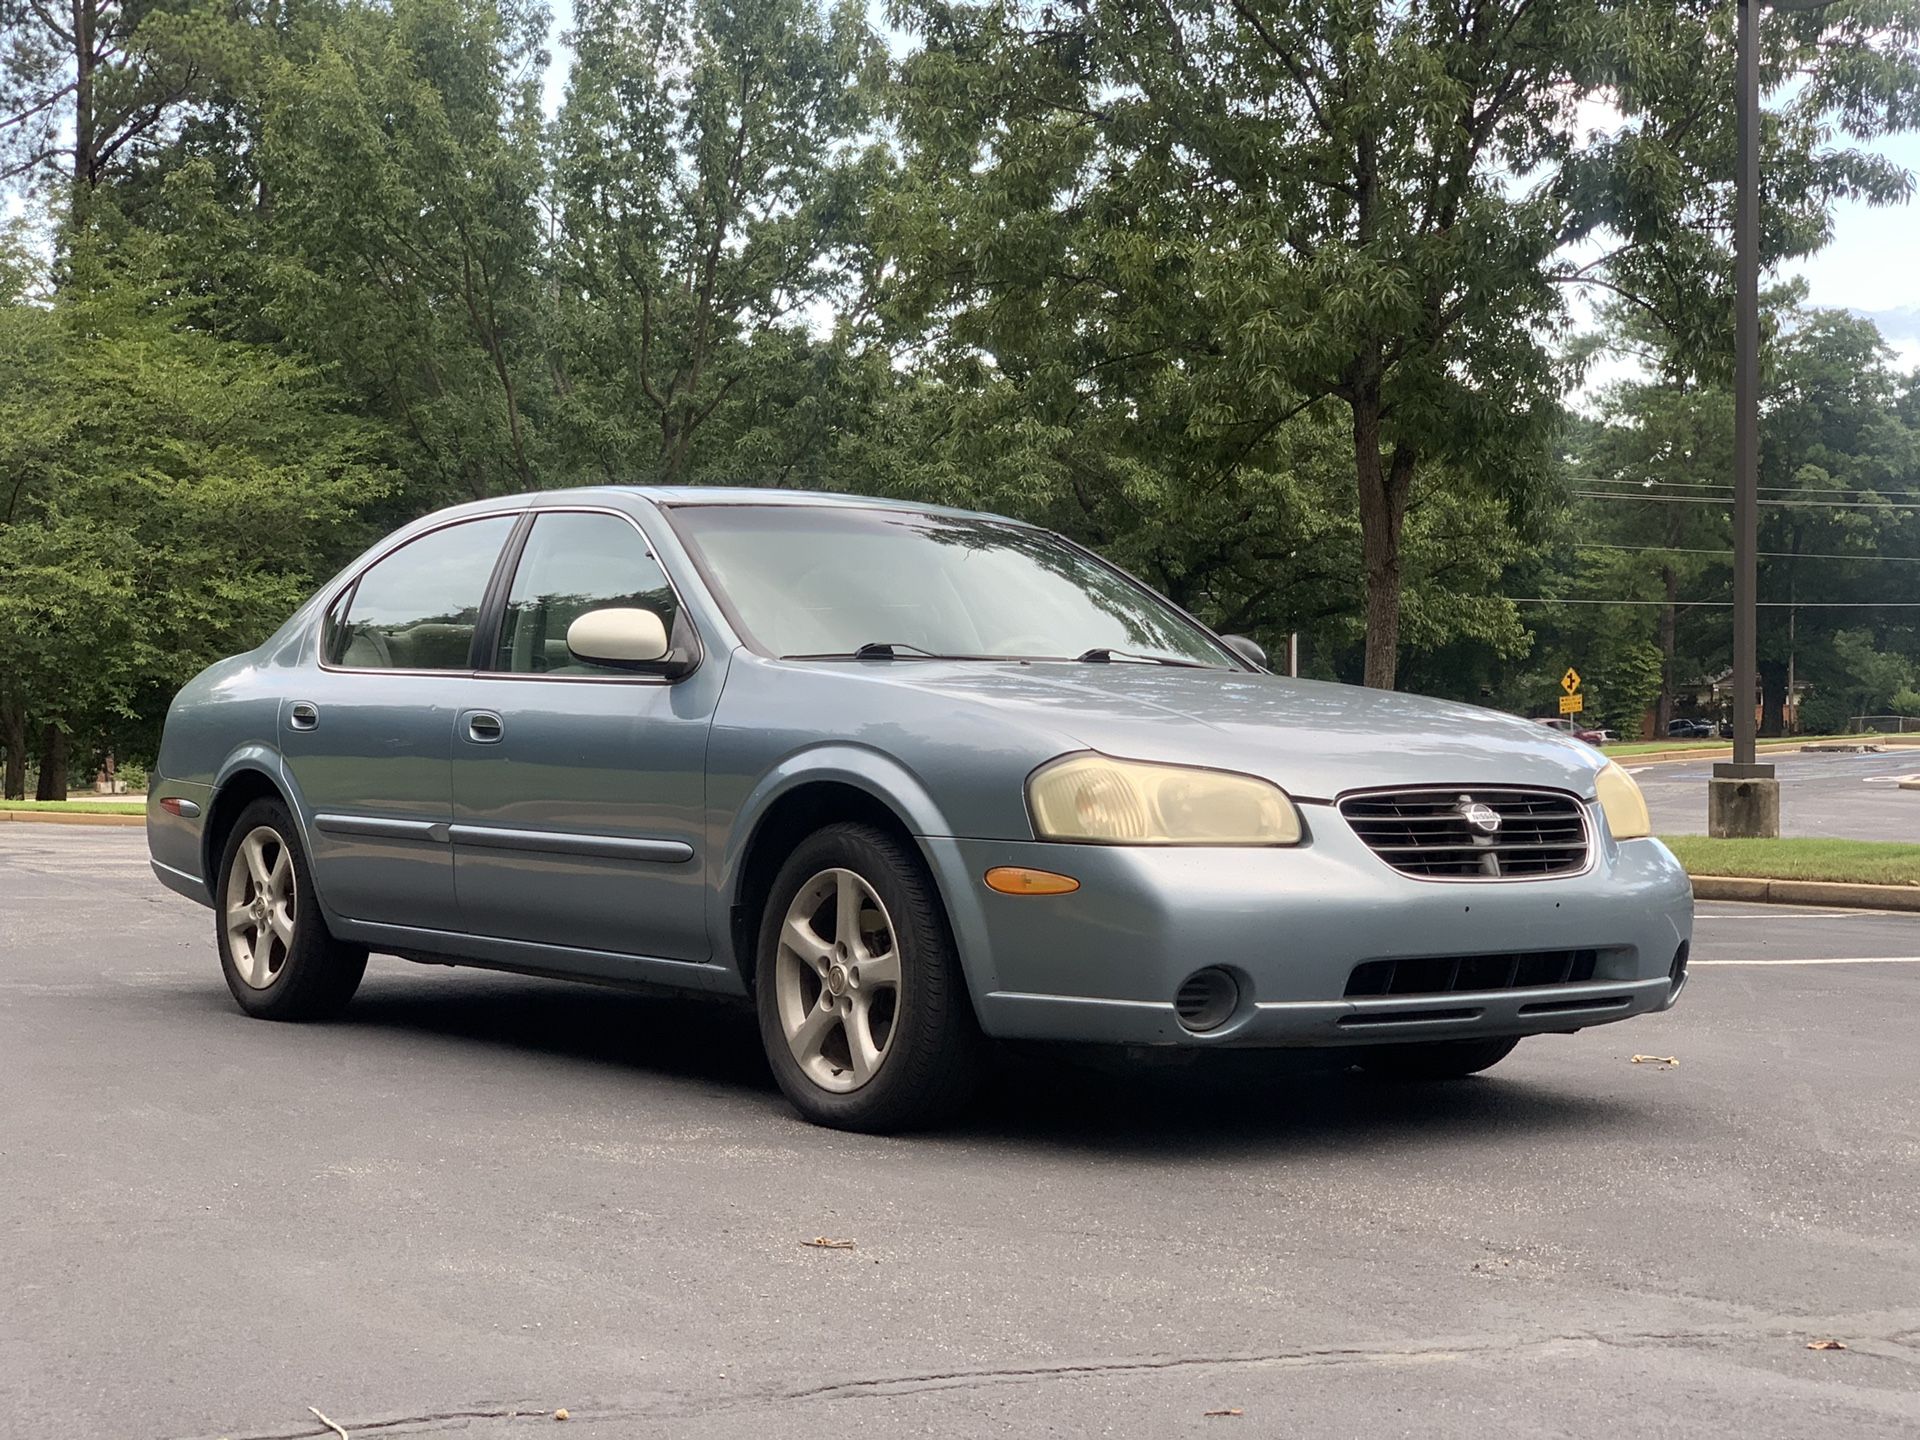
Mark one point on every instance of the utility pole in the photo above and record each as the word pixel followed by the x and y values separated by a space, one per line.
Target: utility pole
pixel 1743 797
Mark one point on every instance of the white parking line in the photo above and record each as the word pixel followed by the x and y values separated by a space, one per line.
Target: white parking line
pixel 1795 915
pixel 1823 960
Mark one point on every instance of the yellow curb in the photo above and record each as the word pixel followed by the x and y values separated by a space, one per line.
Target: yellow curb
pixel 55 817
pixel 1839 894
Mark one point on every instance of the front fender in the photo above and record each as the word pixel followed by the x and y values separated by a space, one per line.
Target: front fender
pixel 872 772
pixel 877 774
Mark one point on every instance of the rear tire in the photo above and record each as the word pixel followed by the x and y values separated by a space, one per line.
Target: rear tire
pixel 279 959
pixel 1434 1059
pixel 863 1008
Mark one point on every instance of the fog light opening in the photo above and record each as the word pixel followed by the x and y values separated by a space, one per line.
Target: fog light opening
pixel 1677 972
pixel 1206 1000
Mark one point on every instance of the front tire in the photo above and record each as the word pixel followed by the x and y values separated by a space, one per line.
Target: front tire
pixel 863 1008
pixel 279 959
pixel 1434 1059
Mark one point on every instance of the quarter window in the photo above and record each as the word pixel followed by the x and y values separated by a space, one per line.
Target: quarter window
pixel 575 562
pixel 417 608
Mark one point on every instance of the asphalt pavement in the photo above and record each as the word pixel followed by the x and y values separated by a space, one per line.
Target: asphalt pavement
pixel 1848 797
pixel 479 1199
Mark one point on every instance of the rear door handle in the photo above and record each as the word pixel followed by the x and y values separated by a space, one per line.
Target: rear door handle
pixel 303 716
pixel 484 727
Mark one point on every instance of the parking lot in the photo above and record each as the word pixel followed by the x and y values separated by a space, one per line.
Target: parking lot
pixel 479 1199
pixel 1829 796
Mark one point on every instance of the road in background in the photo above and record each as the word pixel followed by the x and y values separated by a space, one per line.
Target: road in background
pixel 1844 797
pixel 481 1196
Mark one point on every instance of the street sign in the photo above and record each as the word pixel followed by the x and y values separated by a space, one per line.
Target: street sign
pixel 1572 704
pixel 1570 682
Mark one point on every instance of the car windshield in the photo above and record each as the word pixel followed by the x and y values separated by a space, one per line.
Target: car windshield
pixel 825 581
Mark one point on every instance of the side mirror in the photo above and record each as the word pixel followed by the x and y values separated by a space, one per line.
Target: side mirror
pixel 619 635
pixel 1246 649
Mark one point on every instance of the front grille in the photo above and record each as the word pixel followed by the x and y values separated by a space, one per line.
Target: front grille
pixel 1454 974
pixel 1433 832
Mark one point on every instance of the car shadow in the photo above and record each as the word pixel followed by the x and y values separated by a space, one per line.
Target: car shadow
pixel 1057 1098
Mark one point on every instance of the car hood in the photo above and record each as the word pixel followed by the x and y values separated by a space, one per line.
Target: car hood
pixel 1314 739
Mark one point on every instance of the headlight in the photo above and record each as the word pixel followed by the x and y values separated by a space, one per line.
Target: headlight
pixel 1095 799
pixel 1624 805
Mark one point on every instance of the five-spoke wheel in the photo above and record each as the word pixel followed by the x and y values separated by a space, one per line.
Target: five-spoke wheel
pixel 260 902
pixel 837 980
pixel 862 1006
pixel 280 960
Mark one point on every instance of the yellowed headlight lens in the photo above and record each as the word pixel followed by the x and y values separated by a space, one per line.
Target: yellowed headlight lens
pixel 1625 807
pixel 1099 800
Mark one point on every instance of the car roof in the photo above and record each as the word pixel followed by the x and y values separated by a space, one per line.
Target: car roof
pixel 670 495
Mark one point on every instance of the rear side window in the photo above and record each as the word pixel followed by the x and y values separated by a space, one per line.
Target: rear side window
pixel 417 608
pixel 575 562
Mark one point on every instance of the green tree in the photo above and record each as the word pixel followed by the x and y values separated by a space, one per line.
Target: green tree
pixel 401 148
pixel 713 165
pixel 1267 208
pixel 90 90
pixel 170 497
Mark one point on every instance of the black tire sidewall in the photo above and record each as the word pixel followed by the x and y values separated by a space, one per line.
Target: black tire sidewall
pixel 320 973
pixel 929 1066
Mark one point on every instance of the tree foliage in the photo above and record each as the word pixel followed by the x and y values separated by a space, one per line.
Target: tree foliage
pixel 1266 301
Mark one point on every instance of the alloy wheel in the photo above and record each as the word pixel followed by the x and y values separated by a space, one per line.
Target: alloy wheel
pixel 260 901
pixel 837 980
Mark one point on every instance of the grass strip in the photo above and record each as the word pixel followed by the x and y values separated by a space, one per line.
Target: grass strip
pixel 1853 862
pixel 77 807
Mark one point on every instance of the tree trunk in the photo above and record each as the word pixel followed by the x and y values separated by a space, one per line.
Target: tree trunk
pixel 1773 697
pixel 84 143
pixel 1669 628
pixel 13 738
pixel 1384 488
pixel 53 764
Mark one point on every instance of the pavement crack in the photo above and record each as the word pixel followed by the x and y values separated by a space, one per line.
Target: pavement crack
pixel 1319 1355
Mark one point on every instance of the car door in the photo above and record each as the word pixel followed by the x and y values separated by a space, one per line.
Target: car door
pixel 368 735
pixel 579 789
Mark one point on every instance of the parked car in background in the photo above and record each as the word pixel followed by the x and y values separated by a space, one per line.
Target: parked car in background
pixel 1690 729
pixel 908 779
pixel 1589 734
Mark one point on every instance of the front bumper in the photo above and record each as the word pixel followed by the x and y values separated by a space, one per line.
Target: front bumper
pixel 1105 962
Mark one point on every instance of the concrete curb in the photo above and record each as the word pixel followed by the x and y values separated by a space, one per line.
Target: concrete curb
pixel 1725 752
pixel 56 817
pixel 1806 892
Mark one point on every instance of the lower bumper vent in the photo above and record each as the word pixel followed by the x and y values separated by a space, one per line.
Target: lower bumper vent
pixel 1453 974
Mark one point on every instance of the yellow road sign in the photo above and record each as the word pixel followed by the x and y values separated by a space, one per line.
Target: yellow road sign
pixel 1572 704
pixel 1570 682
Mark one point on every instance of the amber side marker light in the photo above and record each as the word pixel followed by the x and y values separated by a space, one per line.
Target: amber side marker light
pixel 1018 880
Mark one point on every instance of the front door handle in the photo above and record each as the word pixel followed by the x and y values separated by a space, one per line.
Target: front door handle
pixel 484 727
pixel 303 716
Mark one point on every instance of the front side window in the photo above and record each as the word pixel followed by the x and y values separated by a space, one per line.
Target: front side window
pixel 416 609
pixel 816 582
pixel 573 563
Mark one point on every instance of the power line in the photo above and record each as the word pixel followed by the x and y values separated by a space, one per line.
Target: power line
pixel 1722 604
pixel 1765 554
pixel 1722 485
pixel 1765 504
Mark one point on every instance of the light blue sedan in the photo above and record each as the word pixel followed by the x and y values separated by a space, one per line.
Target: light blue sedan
pixel 911 779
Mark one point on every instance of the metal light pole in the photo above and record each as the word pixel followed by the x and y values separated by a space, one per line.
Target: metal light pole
pixel 1743 798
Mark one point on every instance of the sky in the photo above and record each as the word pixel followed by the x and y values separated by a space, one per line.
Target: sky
pixel 1873 263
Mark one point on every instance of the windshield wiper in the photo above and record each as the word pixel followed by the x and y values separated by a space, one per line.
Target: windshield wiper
pixel 879 650
pixel 1105 655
